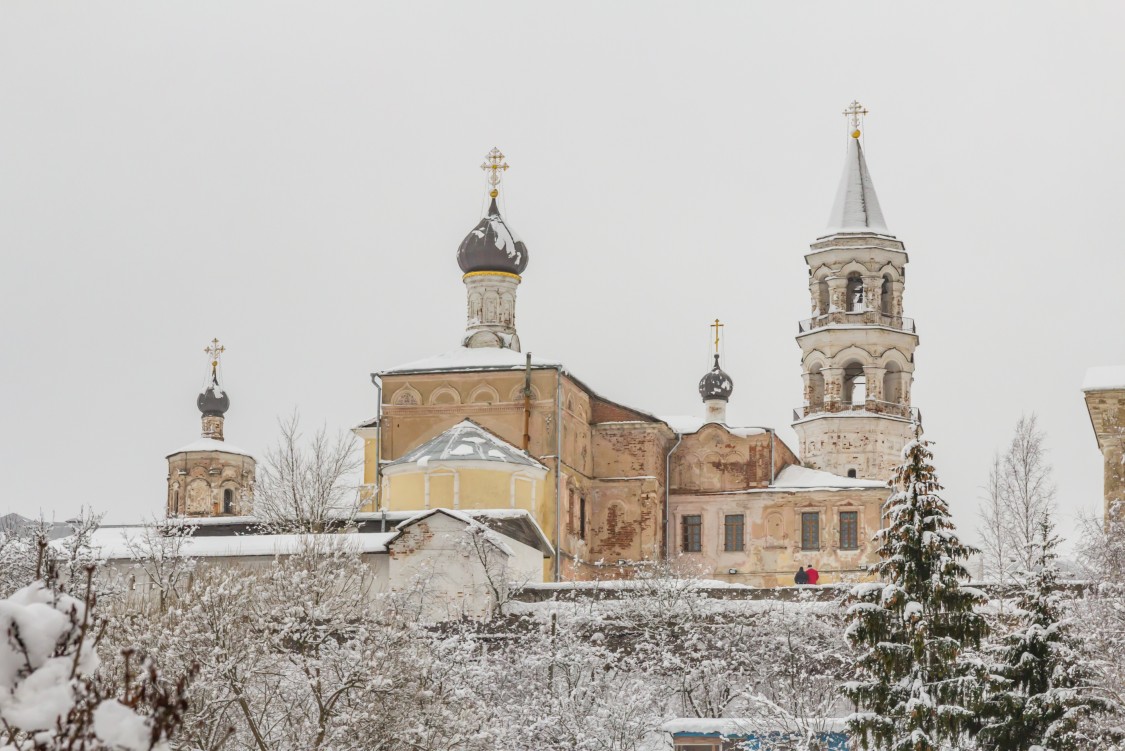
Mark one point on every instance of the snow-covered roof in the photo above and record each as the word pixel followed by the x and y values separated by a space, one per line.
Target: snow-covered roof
pixel 1105 378
pixel 804 478
pixel 210 444
pixel 693 424
pixel 473 358
pixel 856 208
pixel 467 441
pixel 112 543
pixel 735 726
pixel 495 538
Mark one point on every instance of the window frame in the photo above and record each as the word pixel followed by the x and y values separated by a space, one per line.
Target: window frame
pixel 734 533
pixel 805 536
pixel 691 533
pixel 853 523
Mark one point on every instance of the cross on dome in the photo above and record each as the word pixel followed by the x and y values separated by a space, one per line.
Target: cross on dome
pixel 855 112
pixel 214 351
pixel 717 326
pixel 494 167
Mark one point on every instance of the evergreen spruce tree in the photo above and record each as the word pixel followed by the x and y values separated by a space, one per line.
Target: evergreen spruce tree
pixel 913 689
pixel 1036 697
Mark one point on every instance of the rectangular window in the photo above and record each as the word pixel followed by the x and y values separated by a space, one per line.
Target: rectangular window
pixel 734 528
pixel 849 530
pixel 810 530
pixel 693 533
pixel 582 517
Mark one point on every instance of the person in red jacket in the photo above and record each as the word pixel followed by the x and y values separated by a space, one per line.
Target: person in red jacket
pixel 812 574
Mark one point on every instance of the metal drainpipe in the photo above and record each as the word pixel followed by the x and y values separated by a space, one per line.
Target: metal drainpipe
pixel 667 495
pixel 377 382
pixel 558 472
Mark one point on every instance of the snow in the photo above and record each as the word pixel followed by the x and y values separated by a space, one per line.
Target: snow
pixel 794 476
pixel 210 444
pixel 36 690
pixel 479 358
pixel 466 441
pixel 687 424
pixel 112 543
pixel 117 726
pixel 1105 378
pixel 735 726
pixel 856 208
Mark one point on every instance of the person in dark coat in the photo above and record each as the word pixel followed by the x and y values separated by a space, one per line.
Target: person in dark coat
pixel 801 577
pixel 812 574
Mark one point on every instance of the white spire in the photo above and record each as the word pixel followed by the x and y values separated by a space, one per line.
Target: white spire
pixel 856 208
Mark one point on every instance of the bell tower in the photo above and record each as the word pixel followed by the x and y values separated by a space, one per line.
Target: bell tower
pixel 857 350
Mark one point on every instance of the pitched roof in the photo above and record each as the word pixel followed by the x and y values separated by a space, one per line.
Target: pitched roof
pixel 856 208
pixel 468 441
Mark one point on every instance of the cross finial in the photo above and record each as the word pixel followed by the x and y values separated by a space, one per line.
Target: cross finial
pixel 855 112
pixel 494 167
pixel 717 326
pixel 214 350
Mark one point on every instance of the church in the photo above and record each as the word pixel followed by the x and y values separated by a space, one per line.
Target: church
pixel 482 428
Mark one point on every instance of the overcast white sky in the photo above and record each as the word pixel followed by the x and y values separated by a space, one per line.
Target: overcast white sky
pixel 294 178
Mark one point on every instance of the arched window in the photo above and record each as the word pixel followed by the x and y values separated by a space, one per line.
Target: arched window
pixel 176 501
pixel 816 388
pixel 855 385
pixel 855 293
pixel 851 473
pixel 228 501
pixel 885 297
pixel 822 297
pixel 892 384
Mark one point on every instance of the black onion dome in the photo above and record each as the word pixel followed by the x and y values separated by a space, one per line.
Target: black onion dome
pixel 492 246
pixel 716 384
pixel 213 401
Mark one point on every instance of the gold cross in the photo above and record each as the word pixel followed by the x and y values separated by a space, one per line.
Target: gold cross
pixel 494 166
pixel 854 112
pixel 716 325
pixel 214 350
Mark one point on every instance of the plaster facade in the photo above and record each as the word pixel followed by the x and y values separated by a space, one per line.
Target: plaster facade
pixel 210 483
pixel 1107 415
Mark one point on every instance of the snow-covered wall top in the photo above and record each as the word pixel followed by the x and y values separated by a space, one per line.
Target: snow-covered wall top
pixel 803 478
pixel 479 358
pixel 124 543
pixel 210 444
pixel 1105 378
pixel 467 441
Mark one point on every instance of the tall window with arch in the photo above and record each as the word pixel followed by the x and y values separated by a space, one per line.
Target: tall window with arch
pixel 816 388
pixel 855 385
pixel 885 306
pixel 855 301
pixel 892 383
pixel 228 500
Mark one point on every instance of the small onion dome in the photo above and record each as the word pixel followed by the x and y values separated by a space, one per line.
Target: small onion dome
pixel 492 246
pixel 213 401
pixel 716 384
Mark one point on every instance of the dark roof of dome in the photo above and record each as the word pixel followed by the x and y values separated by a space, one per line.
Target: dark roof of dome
pixel 716 384
pixel 492 246
pixel 213 401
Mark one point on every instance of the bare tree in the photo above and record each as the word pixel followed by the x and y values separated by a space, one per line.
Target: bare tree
pixel 1020 494
pixel 159 552
pixel 307 488
pixel 996 557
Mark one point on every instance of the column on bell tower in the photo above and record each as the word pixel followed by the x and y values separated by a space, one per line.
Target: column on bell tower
pixel 857 351
pixel 492 258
